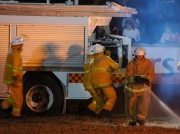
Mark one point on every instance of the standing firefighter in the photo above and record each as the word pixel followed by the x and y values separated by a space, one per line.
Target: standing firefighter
pixel 13 77
pixel 101 79
pixel 95 106
pixel 139 76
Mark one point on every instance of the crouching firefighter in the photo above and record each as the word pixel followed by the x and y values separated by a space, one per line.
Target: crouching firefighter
pixel 13 75
pixel 95 106
pixel 101 79
pixel 139 76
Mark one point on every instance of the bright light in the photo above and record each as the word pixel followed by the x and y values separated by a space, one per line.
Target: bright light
pixel 178 66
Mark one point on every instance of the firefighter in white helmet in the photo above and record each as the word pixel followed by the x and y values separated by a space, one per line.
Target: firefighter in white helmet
pixel 101 79
pixel 13 75
pixel 95 106
pixel 139 76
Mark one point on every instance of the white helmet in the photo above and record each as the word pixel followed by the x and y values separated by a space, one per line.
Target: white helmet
pixel 139 51
pixel 17 40
pixel 90 50
pixel 98 48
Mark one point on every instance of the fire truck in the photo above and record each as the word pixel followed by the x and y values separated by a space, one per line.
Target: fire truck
pixel 56 39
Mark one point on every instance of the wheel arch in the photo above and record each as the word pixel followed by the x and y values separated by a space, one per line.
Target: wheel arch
pixel 52 76
pixel 47 73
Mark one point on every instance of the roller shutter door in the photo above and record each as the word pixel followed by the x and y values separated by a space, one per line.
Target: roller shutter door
pixel 52 45
pixel 4 45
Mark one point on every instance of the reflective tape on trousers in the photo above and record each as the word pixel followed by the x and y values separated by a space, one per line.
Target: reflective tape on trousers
pixel 134 90
pixel 101 85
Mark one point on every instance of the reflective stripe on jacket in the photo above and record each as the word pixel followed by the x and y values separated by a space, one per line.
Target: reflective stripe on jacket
pixel 86 77
pixel 143 68
pixel 101 71
pixel 13 67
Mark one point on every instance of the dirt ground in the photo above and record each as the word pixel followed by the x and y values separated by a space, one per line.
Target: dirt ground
pixel 161 120
pixel 83 124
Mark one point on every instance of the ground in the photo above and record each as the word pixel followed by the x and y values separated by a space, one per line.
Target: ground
pixel 84 124
pixel 161 120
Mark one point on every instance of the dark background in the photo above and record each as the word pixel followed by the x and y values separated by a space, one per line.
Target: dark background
pixel 153 15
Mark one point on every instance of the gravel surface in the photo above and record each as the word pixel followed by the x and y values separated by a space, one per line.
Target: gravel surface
pixel 161 120
pixel 83 124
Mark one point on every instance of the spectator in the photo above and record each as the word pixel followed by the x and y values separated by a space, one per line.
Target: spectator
pixel 135 21
pixel 102 31
pixel 169 37
pixel 131 31
pixel 115 31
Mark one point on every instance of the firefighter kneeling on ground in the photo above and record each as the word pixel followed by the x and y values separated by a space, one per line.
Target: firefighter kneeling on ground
pixel 139 76
pixel 13 75
pixel 101 79
pixel 95 106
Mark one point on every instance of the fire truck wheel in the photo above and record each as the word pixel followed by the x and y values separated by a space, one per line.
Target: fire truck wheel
pixel 42 96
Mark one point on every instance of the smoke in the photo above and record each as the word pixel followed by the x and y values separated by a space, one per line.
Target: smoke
pixel 169 95
pixel 153 15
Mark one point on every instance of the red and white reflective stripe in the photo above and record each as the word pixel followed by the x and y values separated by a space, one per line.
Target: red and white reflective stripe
pixel 75 77
pixel 78 78
pixel 118 78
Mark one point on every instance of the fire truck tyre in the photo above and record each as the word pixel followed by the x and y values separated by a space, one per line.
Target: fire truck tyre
pixel 42 96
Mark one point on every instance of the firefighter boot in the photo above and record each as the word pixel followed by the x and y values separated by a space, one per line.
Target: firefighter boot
pixel 4 113
pixel 106 114
pixel 132 123
pixel 141 122
pixel 92 113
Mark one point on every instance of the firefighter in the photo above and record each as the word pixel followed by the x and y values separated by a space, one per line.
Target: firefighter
pixel 101 79
pixel 95 106
pixel 139 76
pixel 13 77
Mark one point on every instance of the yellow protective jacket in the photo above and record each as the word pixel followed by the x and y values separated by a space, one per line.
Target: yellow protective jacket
pixel 143 68
pixel 87 68
pixel 13 67
pixel 101 71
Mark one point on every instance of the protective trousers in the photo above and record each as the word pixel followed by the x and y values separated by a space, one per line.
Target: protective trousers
pixel 15 100
pixel 97 101
pixel 109 96
pixel 137 105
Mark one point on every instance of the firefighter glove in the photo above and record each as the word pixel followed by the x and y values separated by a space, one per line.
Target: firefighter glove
pixel 139 79
pixel 145 81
